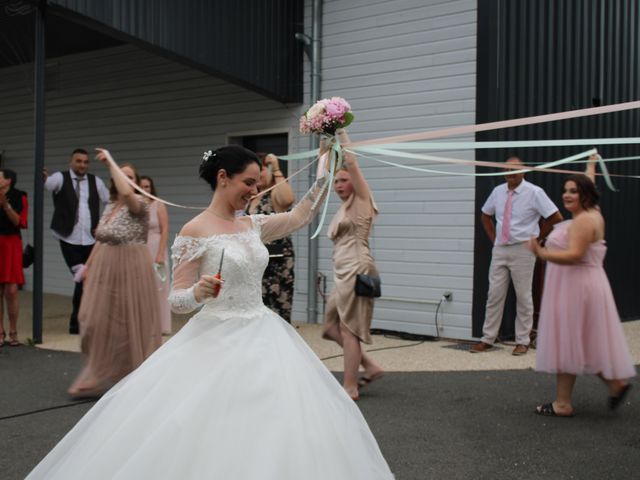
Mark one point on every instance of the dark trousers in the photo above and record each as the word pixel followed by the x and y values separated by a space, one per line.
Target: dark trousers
pixel 74 255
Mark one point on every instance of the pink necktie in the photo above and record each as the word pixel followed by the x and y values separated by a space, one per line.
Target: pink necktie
pixel 506 219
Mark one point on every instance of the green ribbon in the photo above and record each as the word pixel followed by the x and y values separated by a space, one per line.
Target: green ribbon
pixel 391 153
pixel 605 174
pixel 335 164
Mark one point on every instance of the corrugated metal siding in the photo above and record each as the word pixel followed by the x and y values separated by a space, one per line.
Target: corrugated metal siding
pixel 249 42
pixel 408 66
pixel 155 113
pixel 543 56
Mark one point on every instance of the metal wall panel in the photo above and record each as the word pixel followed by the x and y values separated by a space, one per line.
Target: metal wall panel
pixel 407 66
pixel 157 114
pixel 249 42
pixel 544 56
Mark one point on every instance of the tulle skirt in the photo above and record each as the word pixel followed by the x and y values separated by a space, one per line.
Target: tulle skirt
pixel 580 330
pixel 119 313
pixel 236 399
pixel 153 241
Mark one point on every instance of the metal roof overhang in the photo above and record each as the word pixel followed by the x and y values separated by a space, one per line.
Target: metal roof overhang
pixel 247 42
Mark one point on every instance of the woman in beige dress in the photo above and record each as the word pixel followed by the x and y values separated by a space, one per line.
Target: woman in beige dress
pixel 348 317
pixel 157 245
pixel 118 315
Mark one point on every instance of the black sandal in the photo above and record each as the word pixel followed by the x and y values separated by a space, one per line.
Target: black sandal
pixel 615 401
pixel 547 410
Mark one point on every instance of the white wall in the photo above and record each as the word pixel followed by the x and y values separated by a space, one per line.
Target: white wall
pixel 153 112
pixel 404 65
pixel 408 66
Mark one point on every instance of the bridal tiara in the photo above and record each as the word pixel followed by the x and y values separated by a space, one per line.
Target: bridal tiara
pixel 207 155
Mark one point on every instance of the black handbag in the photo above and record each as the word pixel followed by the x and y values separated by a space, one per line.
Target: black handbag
pixel 367 286
pixel 27 255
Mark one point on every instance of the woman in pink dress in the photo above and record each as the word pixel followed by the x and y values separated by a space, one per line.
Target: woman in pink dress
pixel 118 315
pixel 580 330
pixel 157 245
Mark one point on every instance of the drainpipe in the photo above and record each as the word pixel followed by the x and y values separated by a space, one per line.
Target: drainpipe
pixel 314 96
pixel 38 187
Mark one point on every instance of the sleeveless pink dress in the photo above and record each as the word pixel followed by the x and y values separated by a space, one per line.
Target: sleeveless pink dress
pixel 153 242
pixel 580 330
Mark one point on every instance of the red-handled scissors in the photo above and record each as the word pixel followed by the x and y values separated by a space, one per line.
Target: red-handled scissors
pixel 217 286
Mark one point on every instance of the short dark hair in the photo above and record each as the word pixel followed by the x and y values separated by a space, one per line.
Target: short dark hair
pixel 150 180
pixel 587 191
pixel 233 159
pixel 79 150
pixel 10 175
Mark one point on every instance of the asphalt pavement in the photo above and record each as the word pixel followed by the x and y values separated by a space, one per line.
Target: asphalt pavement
pixel 429 424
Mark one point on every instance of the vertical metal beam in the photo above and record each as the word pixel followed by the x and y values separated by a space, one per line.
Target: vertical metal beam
pixel 38 187
pixel 314 95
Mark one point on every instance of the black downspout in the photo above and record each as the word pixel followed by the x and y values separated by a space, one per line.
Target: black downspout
pixel 38 186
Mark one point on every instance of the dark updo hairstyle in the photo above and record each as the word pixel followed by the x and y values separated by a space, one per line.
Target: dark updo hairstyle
pixel 233 159
pixel 9 175
pixel 587 191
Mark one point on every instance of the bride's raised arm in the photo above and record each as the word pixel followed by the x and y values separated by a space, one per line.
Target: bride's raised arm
pixel 281 225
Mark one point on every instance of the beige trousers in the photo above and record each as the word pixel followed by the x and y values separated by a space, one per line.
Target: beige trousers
pixel 516 263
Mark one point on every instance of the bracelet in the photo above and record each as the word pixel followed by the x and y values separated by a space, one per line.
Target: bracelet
pixel 276 172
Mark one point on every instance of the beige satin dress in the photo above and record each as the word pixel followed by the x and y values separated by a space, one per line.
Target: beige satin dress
pixel 349 230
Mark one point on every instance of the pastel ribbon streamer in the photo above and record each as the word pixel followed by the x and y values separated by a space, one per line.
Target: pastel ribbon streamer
pixel 605 174
pixel 516 122
pixel 393 142
pixel 544 167
pixel 335 163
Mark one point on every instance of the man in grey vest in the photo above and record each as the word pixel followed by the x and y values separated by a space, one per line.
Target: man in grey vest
pixel 77 196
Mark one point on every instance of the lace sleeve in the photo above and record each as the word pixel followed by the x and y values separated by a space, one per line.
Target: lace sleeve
pixel 186 254
pixel 280 225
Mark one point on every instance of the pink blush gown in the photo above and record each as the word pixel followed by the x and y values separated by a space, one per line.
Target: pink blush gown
pixel 580 330
pixel 153 242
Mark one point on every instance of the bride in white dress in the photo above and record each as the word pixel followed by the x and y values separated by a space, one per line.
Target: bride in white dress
pixel 236 394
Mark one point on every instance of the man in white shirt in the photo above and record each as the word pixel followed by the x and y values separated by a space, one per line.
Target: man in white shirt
pixel 77 196
pixel 517 206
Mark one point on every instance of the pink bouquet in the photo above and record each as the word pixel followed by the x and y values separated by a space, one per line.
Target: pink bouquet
pixel 326 116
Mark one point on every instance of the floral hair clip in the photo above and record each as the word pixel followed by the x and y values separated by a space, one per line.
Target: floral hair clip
pixel 207 155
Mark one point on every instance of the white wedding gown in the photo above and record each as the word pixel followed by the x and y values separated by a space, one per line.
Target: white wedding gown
pixel 236 394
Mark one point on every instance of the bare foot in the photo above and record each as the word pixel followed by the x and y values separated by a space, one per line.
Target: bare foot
pixel 370 376
pixel 85 391
pixel 353 393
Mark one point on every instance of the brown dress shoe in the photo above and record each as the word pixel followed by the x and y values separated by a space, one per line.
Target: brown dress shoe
pixel 520 350
pixel 480 347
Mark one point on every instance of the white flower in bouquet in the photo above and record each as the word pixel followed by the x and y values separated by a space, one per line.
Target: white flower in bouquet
pixel 326 116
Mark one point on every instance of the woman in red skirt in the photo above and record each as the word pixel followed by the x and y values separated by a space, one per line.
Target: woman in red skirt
pixel 13 214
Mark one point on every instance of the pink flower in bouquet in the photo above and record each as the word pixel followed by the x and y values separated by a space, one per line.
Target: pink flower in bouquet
pixel 336 107
pixel 326 116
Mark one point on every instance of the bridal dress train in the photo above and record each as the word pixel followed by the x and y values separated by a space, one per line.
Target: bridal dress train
pixel 236 394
